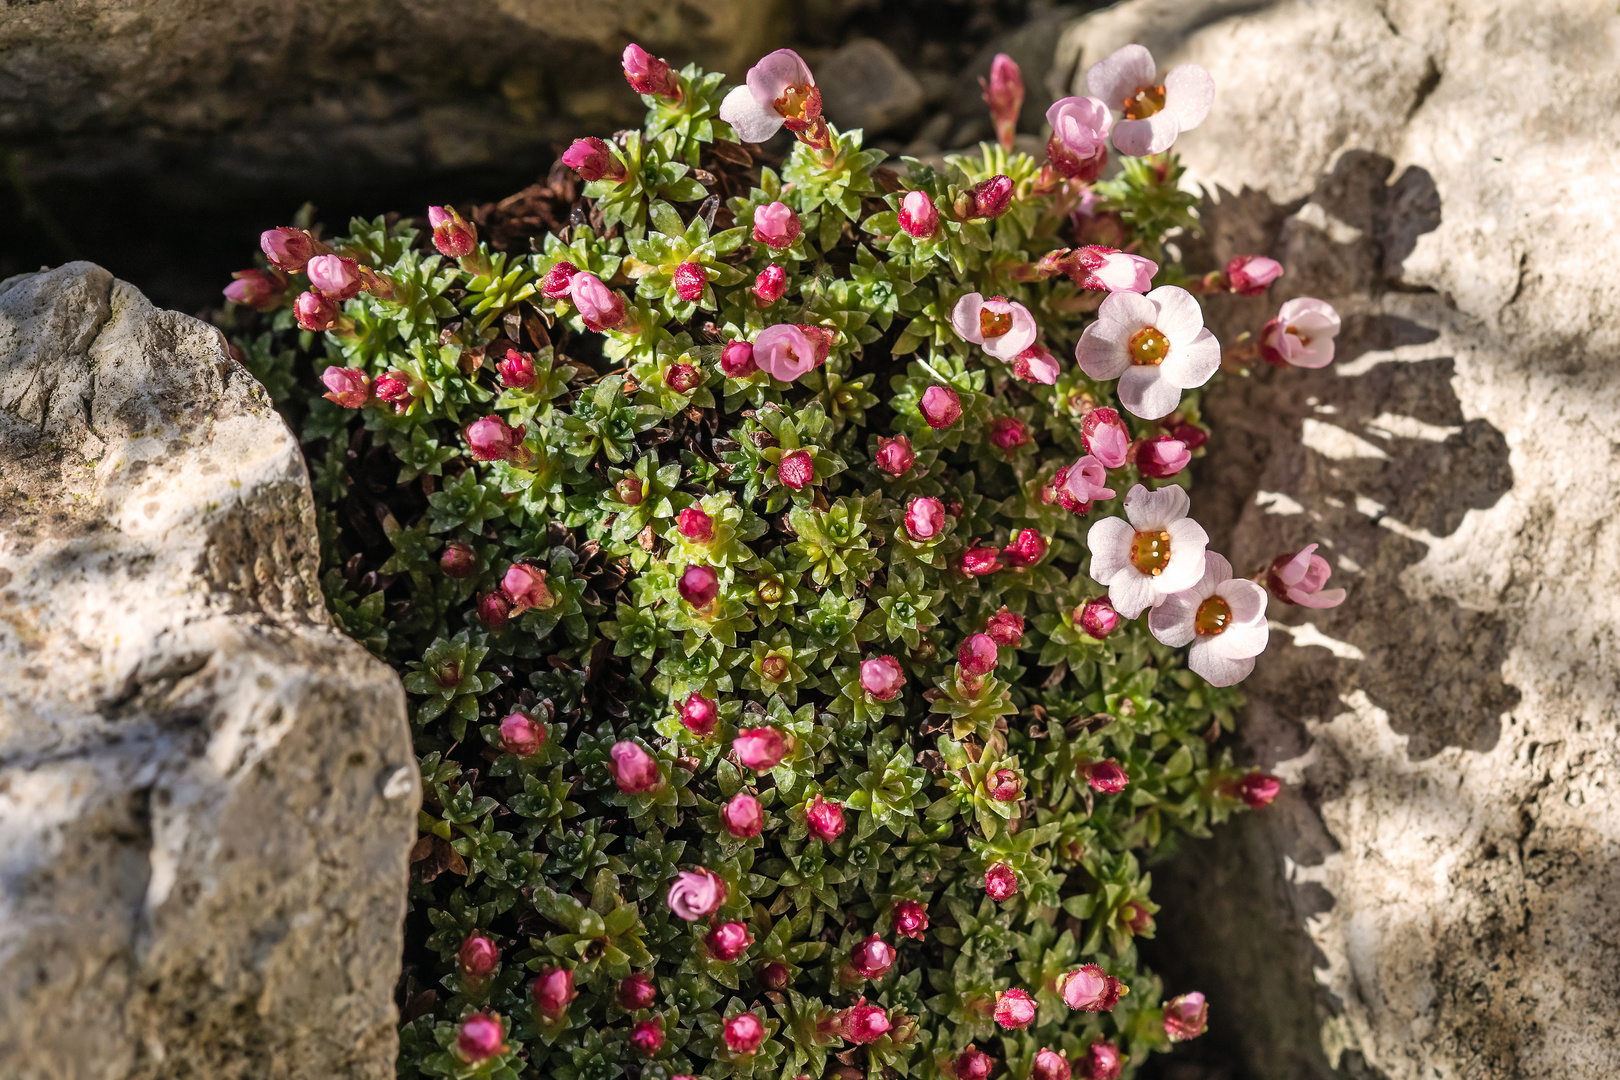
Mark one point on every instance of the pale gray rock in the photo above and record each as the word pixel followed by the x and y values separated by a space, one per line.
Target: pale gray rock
pixel 207 794
pixel 1434 897
pixel 863 85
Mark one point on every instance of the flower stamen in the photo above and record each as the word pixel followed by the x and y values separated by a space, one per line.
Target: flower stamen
pixel 1144 103
pixel 1150 551
pixel 1214 615
pixel 1148 347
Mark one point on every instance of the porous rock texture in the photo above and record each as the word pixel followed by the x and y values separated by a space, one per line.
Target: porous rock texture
pixel 207 794
pixel 1434 897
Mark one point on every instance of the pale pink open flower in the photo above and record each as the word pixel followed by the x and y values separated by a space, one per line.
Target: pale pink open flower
pixel 1004 327
pixel 1036 364
pixel 1222 617
pixel 1154 112
pixel 784 352
pixel 1105 269
pixel 777 89
pixel 696 894
pixel 1298 579
pixel 1087 480
pixel 1155 345
pixel 1158 551
pixel 1078 147
pixel 1302 334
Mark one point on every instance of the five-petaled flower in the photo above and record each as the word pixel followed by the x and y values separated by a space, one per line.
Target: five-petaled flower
pixel 1154 112
pixel 778 90
pixel 1222 617
pixel 1156 345
pixel 1152 552
pixel 1003 327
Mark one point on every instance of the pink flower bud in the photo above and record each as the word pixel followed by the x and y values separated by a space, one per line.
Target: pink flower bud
pixel 696 894
pixel 1006 628
pixel 1049 1065
pixel 521 734
pixel 973 1064
pixel 1106 777
pixel 478 957
pixel 1162 456
pixel 1005 785
pixel 1015 1009
pixel 796 469
pixel 1078 148
pixel 882 678
pixel 977 654
pixel 979 561
pixel 524 587
pixel 872 958
pixel 1004 93
pixel 480 1038
pixel 695 525
pixel 599 306
pixel 453 235
pixel 925 518
pixel 1102 1061
pixel 699 714
pixel 634 770
pixel 699 585
pixel 552 991
pixel 1008 433
pixel 776 225
pixel 394 387
pixel 1083 483
pixel 593 160
pixel 1191 434
pixel 895 456
pixel 458 561
pixel 761 748
pixel 1028 547
pixel 555 284
pixel 647 1037
pixel 1106 437
pixel 1186 1017
pixel 919 217
pixel 1089 989
pixel 775 976
pixel 1302 334
pixel 728 941
pixel 683 378
pixel 1036 364
pixel 1097 617
pixel 825 819
pixel 334 277
pixel 863 1023
pixel 647 74
pixel 287 248
pixel 744 1033
pixel 991 198
pixel 1000 882
pixel 256 289
pixel 348 387
pixel 941 406
pixel 315 312
pixel 516 370
pixel 690 280
pixel 910 919
pixel 491 439
pixel 1297 578
pixel 742 816
pixel 737 361
pixel 1135 918
pixel 770 285
pixel 1251 275
pixel 494 611
pixel 1258 789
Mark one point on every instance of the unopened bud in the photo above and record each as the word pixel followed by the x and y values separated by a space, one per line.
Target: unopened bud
pixel 1004 93
pixel 521 734
pixel 458 561
pixel 478 957
pixel 647 74
pixel 991 198
pixel 593 160
pixel 287 248
pixel 895 456
pixel 516 370
pixel 941 406
pixel 558 279
pixel 334 277
pixel 453 235
pixel 634 771
pixel 1097 617
pixel 315 312
pixel 919 217
pixel 699 585
pixel 345 386
pixel 1251 275
pixel 699 714
pixel 776 225
pixel 770 285
pixel 737 360
pixel 977 654
pixel 1000 882
pixel 796 469
pixel 925 518
pixel 690 280
pixel 825 819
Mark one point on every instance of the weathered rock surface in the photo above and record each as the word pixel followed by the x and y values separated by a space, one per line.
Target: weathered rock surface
pixel 207 794
pixel 1445 174
pixel 863 85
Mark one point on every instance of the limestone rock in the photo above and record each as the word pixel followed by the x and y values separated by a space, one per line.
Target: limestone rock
pixel 863 85
pixel 207 794
pixel 1445 864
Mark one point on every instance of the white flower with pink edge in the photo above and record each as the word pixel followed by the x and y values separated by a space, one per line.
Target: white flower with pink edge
pixel 1222 617
pixel 1154 344
pixel 1154 112
pixel 777 89
pixel 1301 335
pixel 1004 327
pixel 1154 551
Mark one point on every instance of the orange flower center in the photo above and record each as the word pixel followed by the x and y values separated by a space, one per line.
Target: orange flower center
pixel 994 324
pixel 1213 617
pixel 1148 346
pixel 1304 338
pixel 1150 552
pixel 1144 103
pixel 792 102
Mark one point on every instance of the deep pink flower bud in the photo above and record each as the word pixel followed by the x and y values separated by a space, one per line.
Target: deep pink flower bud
pixel 695 525
pixel 742 816
pixel 1089 989
pixel 826 819
pixel 394 387
pixel 744 1033
pixel 737 360
pixel 516 370
pixel 492 439
pixel 1097 617
pixel 770 285
pixel 696 894
pixel 941 406
pixel 919 217
pixel 690 280
pixel 776 225
pixel 1078 147
pixel 647 74
pixel 1006 628
pixel 910 919
pixel 728 941
pixel 973 1064
pixel 557 280
pixel 599 306
pixel 980 561
pixel 524 587
pixel 882 677
pixel 699 714
pixel 287 248
pixel 1258 789
pixel 977 654
pixel 314 312
pixel 480 1038
pixel 458 561
pixel 872 958
pixel 1135 918
pixel 1106 777
pixel 1000 882
pixel 1162 456
pixel 1186 1017
pixel 699 585
pixel 1102 1061
pixel 552 991
pixel 796 469
pixel 593 160
pixel 453 234
pixel 1005 785
pixel 1008 433
pixel 1004 93
pixel 1105 436
pixel 478 957
pixel 991 198
pixel 925 518
pixel 863 1023
pixel 634 770
pixel 521 734
pixel 334 277
pixel 1015 1009
pixel 1049 1065
pixel 1036 364
pixel 1028 547
pixel 761 748
pixel 348 387
pixel 895 456
pixel 1251 275
pixel 256 289
pixel 647 1037
pixel 1190 434
pixel 494 611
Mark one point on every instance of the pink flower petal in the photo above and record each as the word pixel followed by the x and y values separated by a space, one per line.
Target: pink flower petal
pixel 965 318
pixel 1176 313
pixel 1110 544
pixel 1192 364
pixel 1217 670
pixel 1131 593
pixel 752 121
pixel 1101 350
pixel 1154 135
pixel 1327 598
pixel 1156 509
pixel 1121 74
pixel 1246 598
pixel 1145 393
pixel 775 72
pixel 1189 91
pixel 1172 621
pixel 1241 640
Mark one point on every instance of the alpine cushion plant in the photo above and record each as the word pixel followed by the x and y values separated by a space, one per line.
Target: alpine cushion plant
pixel 804 656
